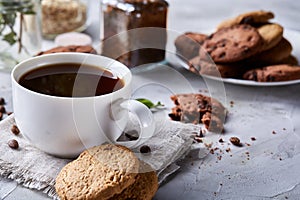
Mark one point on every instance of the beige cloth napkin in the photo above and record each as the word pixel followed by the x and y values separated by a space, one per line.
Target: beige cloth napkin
pixel 35 169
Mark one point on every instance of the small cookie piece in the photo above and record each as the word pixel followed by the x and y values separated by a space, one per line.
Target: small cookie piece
pixel 251 18
pixel 70 48
pixel 144 187
pixel 188 44
pixel 232 44
pixel 230 70
pixel 271 34
pixel 98 173
pixel 273 73
pixel 192 108
pixel 275 55
pixel 212 122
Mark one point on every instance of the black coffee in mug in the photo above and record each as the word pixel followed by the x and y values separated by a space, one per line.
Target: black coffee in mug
pixel 71 80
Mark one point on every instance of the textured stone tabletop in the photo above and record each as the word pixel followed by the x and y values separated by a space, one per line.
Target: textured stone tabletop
pixel 264 168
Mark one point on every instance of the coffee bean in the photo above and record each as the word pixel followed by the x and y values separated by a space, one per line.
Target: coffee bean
pixel 235 141
pixel 2 109
pixel 13 144
pixel 15 130
pixel 2 101
pixel 132 135
pixel 145 149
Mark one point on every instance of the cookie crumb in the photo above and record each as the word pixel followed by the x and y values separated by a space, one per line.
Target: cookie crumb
pixel 253 138
pixel 198 139
pixel 221 140
pixel 208 145
pixel 201 133
pixel 274 132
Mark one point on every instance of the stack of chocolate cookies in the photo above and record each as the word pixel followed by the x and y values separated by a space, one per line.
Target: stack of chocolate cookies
pixel 248 46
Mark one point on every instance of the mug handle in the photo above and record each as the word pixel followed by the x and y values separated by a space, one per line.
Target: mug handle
pixel 144 115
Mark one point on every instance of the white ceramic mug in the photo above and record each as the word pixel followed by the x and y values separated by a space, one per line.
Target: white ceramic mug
pixel 65 126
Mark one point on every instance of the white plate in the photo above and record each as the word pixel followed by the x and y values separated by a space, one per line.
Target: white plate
pixel 294 39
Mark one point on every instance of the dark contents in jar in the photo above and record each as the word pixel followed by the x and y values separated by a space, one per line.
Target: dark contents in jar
pixel 136 46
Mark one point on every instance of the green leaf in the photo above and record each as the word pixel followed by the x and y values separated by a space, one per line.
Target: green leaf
pixel 149 103
pixel 10 38
pixel 146 102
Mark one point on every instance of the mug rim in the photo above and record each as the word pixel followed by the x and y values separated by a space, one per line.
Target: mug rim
pixel 48 61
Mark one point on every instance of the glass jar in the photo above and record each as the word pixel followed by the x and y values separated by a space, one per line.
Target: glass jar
pixel 134 31
pixel 61 16
pixel 20 33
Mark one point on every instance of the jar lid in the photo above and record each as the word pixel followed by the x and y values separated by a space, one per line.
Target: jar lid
pixel 130 5
pixel 72 38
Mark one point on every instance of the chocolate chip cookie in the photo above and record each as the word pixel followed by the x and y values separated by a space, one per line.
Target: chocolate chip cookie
pixel 188 44
pixel 198 108
pixel 274 73
pixel 70 48
pixel 230 70
pixel 274 55
pixel 232 44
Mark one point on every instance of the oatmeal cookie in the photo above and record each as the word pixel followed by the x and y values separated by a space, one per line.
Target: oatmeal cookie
pixel 252 18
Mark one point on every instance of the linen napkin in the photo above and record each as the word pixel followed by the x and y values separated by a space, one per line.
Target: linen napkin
pixel 35 169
